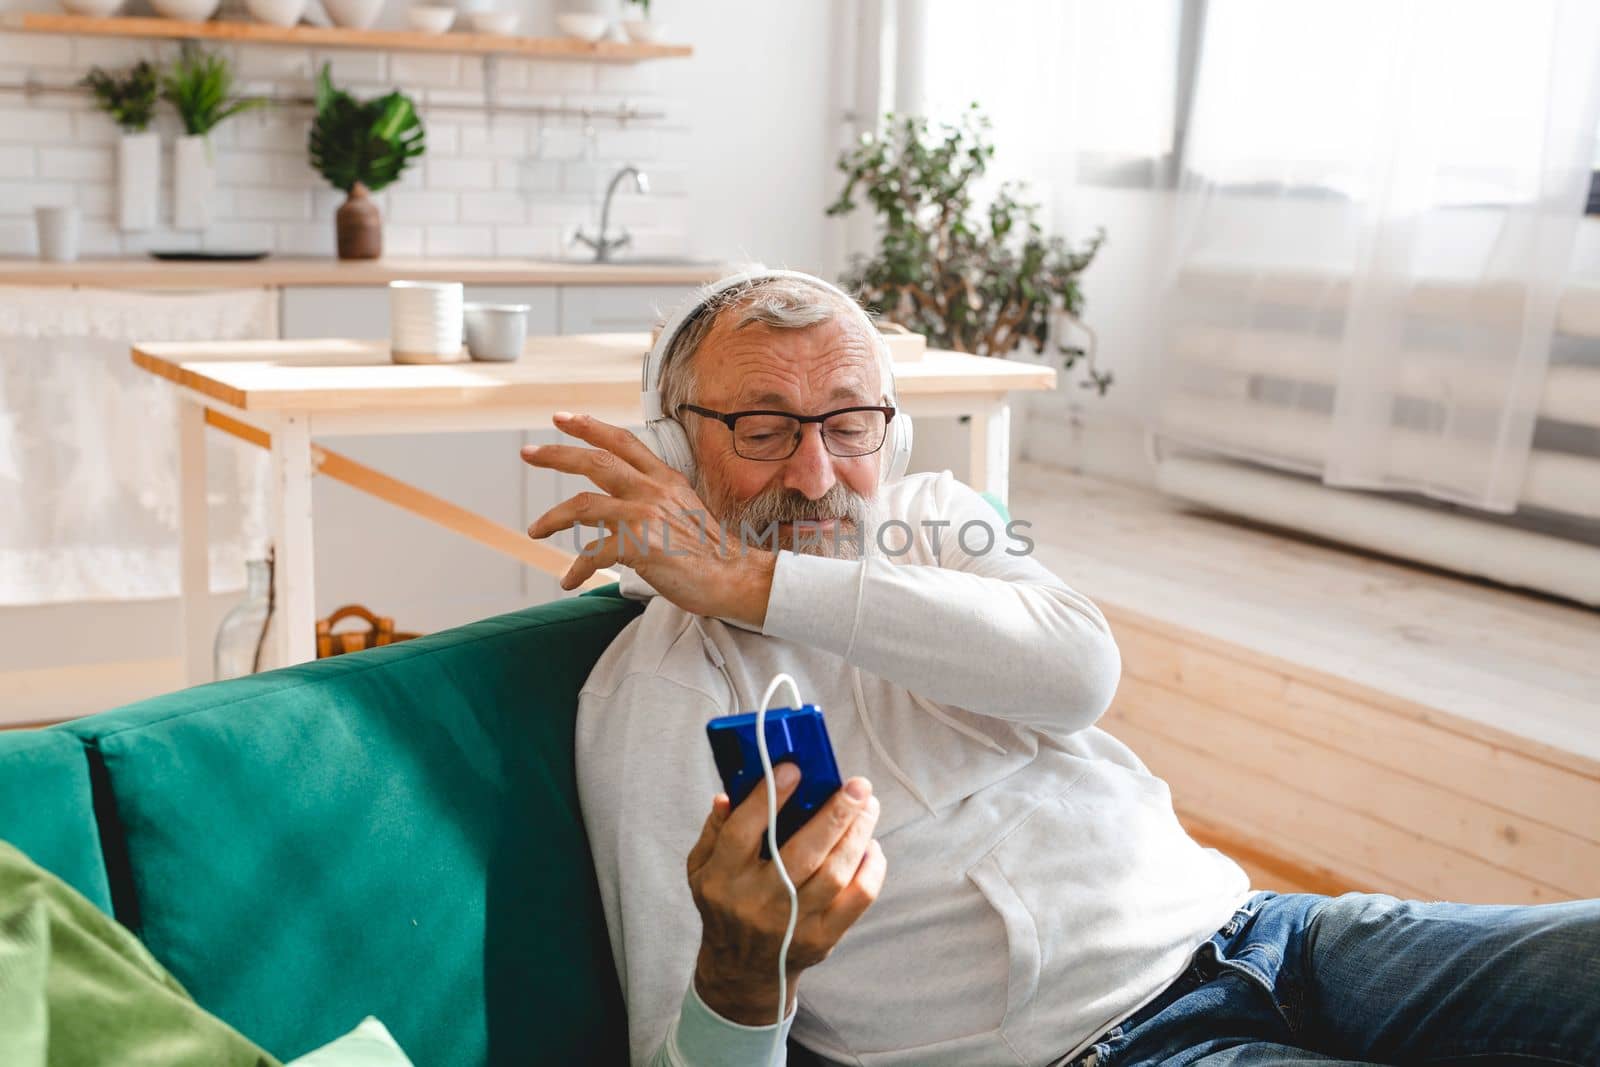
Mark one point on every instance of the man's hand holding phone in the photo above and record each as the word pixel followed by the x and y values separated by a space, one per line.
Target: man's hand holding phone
pixel 833 861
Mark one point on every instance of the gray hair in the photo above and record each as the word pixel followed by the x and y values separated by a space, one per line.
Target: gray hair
pixel 782 303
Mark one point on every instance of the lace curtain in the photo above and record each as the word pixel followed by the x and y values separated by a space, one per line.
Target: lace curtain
pixel 88 445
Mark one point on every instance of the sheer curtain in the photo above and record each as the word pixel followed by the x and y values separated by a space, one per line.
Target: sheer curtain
pixel 1086 98
pixel 1376 220
pixel 88 445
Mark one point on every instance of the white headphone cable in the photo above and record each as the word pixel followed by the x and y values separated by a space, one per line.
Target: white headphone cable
pixel 772 846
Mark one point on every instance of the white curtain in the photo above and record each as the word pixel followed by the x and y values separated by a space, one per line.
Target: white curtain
pixel 88 445
pixel 1374 227
pixel 1339 229
pixel 1079 92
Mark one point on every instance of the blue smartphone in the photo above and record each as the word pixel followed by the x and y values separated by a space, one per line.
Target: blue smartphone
pixel 797 735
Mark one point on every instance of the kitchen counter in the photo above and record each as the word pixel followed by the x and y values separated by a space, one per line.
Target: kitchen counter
pixel 279 271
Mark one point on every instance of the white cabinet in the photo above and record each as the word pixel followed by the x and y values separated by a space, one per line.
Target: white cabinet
pixel 618 308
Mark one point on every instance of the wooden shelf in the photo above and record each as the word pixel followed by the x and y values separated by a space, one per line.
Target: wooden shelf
pixel 337 37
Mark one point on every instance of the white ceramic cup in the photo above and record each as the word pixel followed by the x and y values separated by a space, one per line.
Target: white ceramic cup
pixel 425 322
pixel 58 233
pixel 496 332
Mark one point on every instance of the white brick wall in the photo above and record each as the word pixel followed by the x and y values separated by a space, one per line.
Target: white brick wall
pixel 507 185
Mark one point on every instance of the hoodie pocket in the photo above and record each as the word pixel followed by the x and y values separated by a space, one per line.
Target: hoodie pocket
pixel 1022 936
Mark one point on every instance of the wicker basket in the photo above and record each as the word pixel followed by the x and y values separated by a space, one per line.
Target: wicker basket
pixel 380 631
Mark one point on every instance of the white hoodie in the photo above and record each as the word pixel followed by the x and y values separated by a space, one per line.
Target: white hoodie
pixel 1039 887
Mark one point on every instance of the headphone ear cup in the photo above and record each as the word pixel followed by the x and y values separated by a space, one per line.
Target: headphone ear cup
pixel 900 438
pixel 665 437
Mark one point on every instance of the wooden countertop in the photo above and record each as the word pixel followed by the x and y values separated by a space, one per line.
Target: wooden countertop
pixel 276 271
pixel 337 375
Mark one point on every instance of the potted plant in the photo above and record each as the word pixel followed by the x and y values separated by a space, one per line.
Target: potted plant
pixel 200 87
pixel 975 279
pixel 130 99
pixel 360 146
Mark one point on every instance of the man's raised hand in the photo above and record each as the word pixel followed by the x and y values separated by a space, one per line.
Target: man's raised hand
pixel 652 520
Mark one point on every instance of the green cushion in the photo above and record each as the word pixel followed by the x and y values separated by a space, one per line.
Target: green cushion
pixel 46 808
pixel 392 833
pixel 78 988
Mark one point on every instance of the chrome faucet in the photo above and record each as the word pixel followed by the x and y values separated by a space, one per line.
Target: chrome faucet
pixel 603 246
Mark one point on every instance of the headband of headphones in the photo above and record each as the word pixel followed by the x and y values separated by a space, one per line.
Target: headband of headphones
pixel 650 386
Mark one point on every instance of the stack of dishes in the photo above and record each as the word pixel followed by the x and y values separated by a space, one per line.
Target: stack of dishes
pixel 425 322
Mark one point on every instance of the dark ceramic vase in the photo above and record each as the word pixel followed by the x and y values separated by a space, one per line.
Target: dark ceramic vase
pixel 359 226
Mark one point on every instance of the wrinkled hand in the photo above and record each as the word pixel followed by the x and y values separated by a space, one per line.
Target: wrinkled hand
pixel 833 861
pixel 654 522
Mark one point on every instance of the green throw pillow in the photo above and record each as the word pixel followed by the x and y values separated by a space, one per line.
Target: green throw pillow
pixel 77 988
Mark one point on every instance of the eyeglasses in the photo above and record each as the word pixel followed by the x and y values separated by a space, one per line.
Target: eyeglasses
pixel 775 435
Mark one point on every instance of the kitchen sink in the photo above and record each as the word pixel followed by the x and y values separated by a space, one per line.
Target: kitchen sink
pixel 644 261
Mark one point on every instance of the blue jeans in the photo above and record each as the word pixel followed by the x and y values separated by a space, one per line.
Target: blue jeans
pixel 1301 978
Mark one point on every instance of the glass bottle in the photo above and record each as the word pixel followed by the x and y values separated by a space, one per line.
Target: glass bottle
pixel 242 636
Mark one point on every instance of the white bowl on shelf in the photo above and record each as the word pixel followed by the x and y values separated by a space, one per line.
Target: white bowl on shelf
pixel 96 8
pixel 431 18
pixel 277 12
pixel 642 31
pixel 583 26
pixel 352 14
pixel 498 22
pixel 187 10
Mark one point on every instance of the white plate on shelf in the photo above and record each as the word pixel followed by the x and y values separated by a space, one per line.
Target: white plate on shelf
pixel 96 8
pixel 431 18
pixel 352 14
pixel 502 23
pixel 186 10
pixel 583 26
pixel 642 31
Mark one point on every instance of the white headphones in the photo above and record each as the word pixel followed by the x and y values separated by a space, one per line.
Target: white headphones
pixel 665 436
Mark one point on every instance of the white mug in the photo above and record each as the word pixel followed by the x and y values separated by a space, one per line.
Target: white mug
pixel 58 233
pixel 425 322
pixel 496 332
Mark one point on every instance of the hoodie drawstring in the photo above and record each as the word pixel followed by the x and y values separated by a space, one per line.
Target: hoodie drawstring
pixel 877 746
pixel 719 662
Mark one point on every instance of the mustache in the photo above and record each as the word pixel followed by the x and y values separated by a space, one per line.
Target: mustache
pixel 780 505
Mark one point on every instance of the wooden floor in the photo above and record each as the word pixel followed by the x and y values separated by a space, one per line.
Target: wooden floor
pixel 1333 720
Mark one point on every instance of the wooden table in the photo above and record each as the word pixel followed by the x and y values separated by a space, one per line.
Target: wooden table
pixel 283 394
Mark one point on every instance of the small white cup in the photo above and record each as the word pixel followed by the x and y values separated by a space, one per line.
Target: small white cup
pixel 496 332
pixel 58 233
pixel 425 322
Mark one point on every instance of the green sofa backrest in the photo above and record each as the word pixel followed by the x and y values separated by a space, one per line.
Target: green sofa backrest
pixel 394 833
pixel 47 809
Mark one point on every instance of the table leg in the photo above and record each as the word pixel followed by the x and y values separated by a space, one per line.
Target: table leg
pixel 294 574
pixel 990 444
pixel 194 544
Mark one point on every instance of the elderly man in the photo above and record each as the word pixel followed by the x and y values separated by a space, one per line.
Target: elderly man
pixel 1014 884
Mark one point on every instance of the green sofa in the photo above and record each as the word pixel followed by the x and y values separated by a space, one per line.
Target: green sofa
pixel 393 832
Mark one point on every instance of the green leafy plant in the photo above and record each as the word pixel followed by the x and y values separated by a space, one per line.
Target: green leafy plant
pixel 129 97
pixel 981 279
pixel 200 87
pixel 366 141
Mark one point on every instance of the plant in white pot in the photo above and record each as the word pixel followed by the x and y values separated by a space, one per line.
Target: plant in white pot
pixel 200 87
pixel 360 146
pixel 130 99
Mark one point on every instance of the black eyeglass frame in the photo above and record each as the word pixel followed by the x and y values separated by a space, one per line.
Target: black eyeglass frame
pixel 728 418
